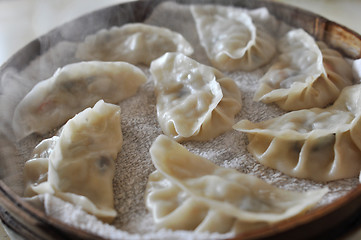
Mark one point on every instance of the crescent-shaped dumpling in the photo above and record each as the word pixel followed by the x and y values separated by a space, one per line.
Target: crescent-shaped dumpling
pixel 318 144
pixel 71 89
pixel 136 43
pixel 231 38
pixel 78 165
pixel 189 192
pixel 194 101
pixel 306 74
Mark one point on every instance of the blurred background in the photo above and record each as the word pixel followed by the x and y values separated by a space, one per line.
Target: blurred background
pixel 24 20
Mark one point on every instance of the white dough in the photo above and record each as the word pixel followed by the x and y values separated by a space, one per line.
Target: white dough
pixel 231 38
pixel 136 43
pixel 78 166
pixel 318 144
pixel 72 89
pixel 194 101
pixel 190 192
pixel 306 74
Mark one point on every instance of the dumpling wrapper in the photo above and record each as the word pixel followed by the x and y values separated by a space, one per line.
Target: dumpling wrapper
pixel 306 74
pixel 318 144
pixel 190 192
pixel 136 43
pixel 78 166
pixel 231 38
pixel 194 101
pixel 71 89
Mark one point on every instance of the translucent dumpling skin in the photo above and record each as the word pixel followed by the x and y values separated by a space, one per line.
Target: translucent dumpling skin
pixel 231 38
pixel 78 166
pixel 194 101
pixel 318 144
pixel 136 43
pixel 306 74
pixel 70 90
pixel 189 192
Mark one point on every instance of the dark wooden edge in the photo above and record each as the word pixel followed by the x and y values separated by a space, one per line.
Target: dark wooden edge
pixel 335 35
pixel 326 222
pixel 31 223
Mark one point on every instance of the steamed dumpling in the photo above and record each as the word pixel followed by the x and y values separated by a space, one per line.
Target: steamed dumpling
pixel 36 169
pixel 189 192
pixel 72 89
pixel 78 166
pixel 318 144
pixel 231 39
pixel 136 43
pixel 306 74
pixel 194 101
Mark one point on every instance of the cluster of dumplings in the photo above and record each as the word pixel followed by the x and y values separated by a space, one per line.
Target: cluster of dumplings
pixel 318 139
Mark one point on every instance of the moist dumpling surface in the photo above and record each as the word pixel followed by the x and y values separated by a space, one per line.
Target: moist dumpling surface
pixel 306 74
pixel 136 43
pixel 318 144
pixel 190 192
pixel 71 89
pixel 78 166
pixel 231 38
pixel 194 101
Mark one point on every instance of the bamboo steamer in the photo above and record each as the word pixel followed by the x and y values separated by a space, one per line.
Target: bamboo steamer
pixel 335 219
